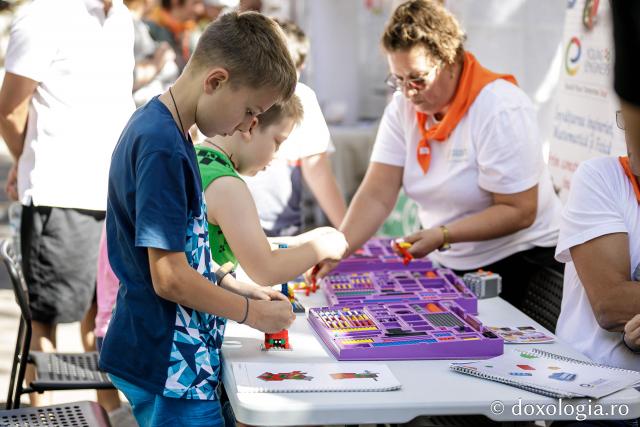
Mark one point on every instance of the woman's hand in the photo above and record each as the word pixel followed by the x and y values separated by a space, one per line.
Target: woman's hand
pixel 11 188
pixel 632 333
pixel 424 242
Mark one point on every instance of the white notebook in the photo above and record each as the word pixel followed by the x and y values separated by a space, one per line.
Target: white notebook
pixel 549 374
pixel 312 377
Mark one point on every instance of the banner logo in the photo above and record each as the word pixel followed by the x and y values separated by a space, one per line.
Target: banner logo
pixel 572 56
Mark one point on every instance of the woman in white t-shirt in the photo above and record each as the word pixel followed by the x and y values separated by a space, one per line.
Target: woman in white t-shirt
pixel 600 244
pixel 463 143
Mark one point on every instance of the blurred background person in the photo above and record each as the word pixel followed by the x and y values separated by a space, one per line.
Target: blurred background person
pixel 172 21
pixel 65 98
pixel 156 67
pixel 304 155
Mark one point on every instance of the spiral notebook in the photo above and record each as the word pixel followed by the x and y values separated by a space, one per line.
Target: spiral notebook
pixel 550 374
pixel 317 377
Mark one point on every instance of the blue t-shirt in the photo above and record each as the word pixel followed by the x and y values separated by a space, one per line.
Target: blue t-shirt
pixel 156 200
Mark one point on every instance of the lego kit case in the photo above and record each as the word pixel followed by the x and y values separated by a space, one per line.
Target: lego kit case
pixel 397 286
pixel 405 331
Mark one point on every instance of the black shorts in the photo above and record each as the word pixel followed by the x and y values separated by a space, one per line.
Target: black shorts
pixel 59 259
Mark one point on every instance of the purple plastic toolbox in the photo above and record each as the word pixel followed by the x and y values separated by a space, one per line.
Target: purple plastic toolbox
pixel 377 255
pixel 410 331
pixel 387 287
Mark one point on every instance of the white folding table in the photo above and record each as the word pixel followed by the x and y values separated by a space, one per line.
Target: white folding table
pixel 428 386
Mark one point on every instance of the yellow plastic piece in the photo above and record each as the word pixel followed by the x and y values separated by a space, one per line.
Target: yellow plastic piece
pixel 368 328
pixel 357 341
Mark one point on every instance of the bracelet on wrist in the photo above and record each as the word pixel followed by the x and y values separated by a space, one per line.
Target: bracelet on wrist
pixel 445 239
pixel 226 268
pixel 246 311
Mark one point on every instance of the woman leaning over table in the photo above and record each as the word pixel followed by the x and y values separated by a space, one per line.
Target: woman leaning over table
pixel 463 143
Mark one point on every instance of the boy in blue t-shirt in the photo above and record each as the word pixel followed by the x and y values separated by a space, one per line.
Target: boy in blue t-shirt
pixel 162 349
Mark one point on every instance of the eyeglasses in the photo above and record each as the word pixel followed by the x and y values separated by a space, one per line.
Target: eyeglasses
pixel 418 83
pixel 620 119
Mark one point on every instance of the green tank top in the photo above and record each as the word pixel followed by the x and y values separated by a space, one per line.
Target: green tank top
pixel 213 164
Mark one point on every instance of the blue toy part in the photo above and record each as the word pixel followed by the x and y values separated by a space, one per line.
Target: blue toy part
pixel 563 376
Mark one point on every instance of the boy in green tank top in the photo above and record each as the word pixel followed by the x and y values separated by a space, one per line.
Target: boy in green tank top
pixel 235 233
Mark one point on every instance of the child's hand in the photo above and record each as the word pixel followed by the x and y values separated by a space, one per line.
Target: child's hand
pixel 266 293
pixel 320 270
pixel 332 245
pixel 632 333
pixel 270 316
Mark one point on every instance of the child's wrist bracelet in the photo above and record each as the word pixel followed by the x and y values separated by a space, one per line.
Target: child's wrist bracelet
pixel 246 311
pixel 226 268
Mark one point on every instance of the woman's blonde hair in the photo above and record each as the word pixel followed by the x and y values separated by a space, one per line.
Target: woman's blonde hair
pixel 424 23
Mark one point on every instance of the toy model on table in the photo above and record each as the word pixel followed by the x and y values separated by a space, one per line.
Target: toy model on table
pixel 276 341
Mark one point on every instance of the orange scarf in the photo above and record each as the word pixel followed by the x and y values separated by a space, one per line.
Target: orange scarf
pixel 473 79
pixel 163 18
pixel 177 28
pixel 624 161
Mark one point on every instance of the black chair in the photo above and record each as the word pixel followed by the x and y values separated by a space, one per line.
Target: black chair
pixel 54 371
pixel 544 297
pixel 81 414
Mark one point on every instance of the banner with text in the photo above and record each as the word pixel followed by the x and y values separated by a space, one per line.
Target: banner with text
pixel 583 124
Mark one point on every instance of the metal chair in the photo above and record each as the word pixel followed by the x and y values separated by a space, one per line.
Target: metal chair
pixel 544 297
pixel 54 371
pixel 81 414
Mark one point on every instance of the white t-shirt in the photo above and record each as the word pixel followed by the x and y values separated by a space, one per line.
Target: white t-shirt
pixel 83 63
pixel 311 136
pixel 601 202
pixel 495 148
pixel 277 190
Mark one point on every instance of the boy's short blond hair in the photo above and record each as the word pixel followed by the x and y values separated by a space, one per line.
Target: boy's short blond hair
pixel 289 109
pixel 297 41
pixel 428 24
pixel 252 48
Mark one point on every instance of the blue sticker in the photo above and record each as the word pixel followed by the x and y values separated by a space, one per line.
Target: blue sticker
pixel 563 376
pixel 521 374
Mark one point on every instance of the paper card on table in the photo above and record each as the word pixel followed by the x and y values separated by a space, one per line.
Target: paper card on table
pixel 309 377
pixel 522 335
